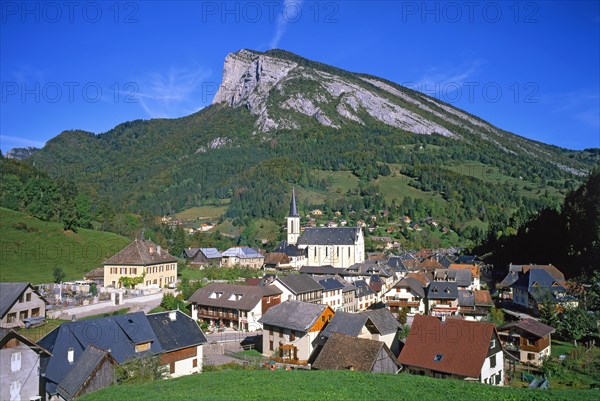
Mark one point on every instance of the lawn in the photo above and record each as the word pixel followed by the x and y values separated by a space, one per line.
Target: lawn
pixel 31 248
pixel 202 213
pixel 396 186
pixel 323 385
pixel 560 348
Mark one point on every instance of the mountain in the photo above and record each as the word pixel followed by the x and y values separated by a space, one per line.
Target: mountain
pixel 20 153
pixel 348 141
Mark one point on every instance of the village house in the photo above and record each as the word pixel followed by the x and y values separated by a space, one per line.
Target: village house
pixel 475 273
pixel 407 293
pixel 172 336
pixel 20 362
pixel 365 296
pixel 233 305
pixel 456 348
pixel 295 255
pixel 244 257
pixel 378 324
pixel 332 293
pixel 290 330
pixel 181 340
pixel 474 305
pixel 203 256
pixel 528 340
pixel 342 352
pixel 143 260
pixel 299 287
pixel 18 303
pixel 348 295
pixel 538 286
pixel 442 299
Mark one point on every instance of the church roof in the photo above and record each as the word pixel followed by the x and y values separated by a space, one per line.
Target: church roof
pixel 293 208
pixel 329 236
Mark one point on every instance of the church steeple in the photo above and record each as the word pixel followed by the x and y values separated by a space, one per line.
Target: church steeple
pixel 293 208
pixel 293 221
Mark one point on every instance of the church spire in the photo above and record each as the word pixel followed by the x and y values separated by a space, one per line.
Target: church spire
pixel 293 209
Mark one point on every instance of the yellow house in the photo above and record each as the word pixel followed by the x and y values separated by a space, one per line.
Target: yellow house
pixel 141 259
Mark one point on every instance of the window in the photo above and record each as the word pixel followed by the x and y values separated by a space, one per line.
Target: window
pixel 281 334
pixel 323 319
pixel 493 343
pixel 35 312
pixel 271 345
pixel 142 347
pixel 15 361
pixel 530 356
pixel 292 335
pixel 437 357
pixel 195 363
pixel 493 361
pixel 530 342
pixel 23 315
pixel 268 300
pixel 21 299
pixel 11 317
pixel 70 355
pixel 172 368
pixel 28 297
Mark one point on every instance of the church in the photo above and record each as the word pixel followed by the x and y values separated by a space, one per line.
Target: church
pixel 338 247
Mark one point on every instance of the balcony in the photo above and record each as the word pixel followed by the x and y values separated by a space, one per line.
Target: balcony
pixel 203 313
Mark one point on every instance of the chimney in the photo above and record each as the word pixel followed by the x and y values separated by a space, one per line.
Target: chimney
pixel 70 355
pixel 158 249
pixel 173 315
pixel 151 249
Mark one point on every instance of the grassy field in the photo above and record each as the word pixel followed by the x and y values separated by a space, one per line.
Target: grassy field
pixel 31 248
pixel 324 385
pixel 396 186
pixel 561 348
pixel 202 212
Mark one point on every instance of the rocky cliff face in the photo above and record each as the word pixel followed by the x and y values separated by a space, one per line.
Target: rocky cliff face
pixel 21 153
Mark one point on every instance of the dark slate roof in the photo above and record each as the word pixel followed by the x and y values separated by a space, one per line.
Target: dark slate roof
pixel 299 283
pixel 190 252
pixel 350 324
pixel 466 259
pixel 183 332
pixel 330 284
pixel 342 352
pixel 289 249
pixel 538 282
pixel 9 294
pixel 530 326
pixel 119 334
pixel 461 277
pixel 466 298
pixel 294 315
pixel 250 295
pixel 446 261
pixel 509 280
pixel 329 236
pixel 347 285
pixel 293 208
pixel 442 290
pixel 412 284
pixel 75 379
pixel 396 263
pixel 141 253
pixel 363 288
pixel 383 320
pixel 322 270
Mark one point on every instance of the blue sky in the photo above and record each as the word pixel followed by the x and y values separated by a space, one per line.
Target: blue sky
pixel 531 68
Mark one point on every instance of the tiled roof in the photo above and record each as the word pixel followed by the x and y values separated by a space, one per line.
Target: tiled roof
pixel 342 352
pixel 330 284
pixel 483 298
pixel 233 296
pixel 442 290
pixel 299 283
pixel 75 379
pixel 530 326
pixel 9 294
pixel 242 252
pixel 183 332
pixel 329 236
pixel 462 353
pixel 141 253
pixel 294 315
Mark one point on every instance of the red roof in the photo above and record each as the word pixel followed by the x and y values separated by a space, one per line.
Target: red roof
pixel 455 346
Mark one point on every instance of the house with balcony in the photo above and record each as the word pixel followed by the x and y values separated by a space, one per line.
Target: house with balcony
pixel 475 270
pixel 442 299
pixel 299 287
pixel 332 293
pixel 538 286
pixel 291 328
pixel 19 302
pixel 233 305
pixel 474 305
pixel 406 293
pixel 528 340
pixel 144 260
pixel 515 272
pixel 455 348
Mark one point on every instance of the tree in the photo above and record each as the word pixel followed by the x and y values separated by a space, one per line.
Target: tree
pixel 145 369
pixel 496 316
pixel 58 274
pixel 575 323
pixel 179 241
